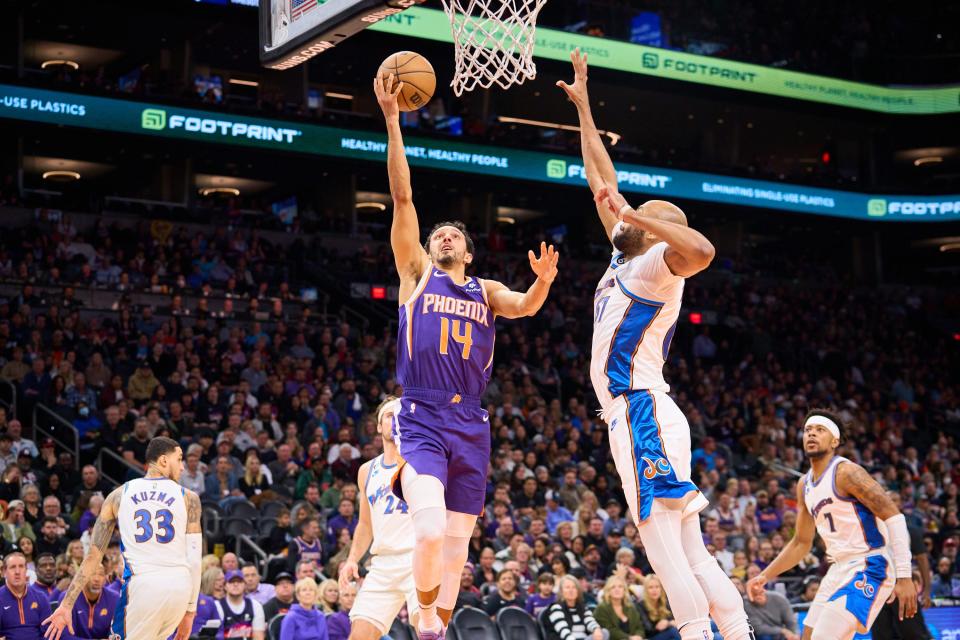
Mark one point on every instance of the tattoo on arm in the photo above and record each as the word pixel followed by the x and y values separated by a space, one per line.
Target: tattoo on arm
pixel 99 541
pixel 194 513
pixel 855 481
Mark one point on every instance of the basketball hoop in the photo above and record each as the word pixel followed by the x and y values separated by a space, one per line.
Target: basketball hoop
pixel 494 42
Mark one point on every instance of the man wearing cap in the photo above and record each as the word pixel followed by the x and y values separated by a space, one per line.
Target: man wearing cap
pixel 242 616
pixel 282 598
pixel 608 552
pixel 93 613
pixel 556 512
pixel 142 384
pixel 22 609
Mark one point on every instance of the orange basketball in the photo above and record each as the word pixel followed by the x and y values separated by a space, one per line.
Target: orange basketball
pixel 416 74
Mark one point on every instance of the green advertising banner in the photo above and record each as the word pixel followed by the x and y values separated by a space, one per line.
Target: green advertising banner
pixel 111 114
pixel 553 44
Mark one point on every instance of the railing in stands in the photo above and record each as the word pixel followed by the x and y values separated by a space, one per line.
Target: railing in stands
pixel 8 397
pixel 245 540
pixel 116 462
pixel 50 424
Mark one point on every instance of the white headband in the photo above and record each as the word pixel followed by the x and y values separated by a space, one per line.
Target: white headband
pixel 391 407
pixel 826 423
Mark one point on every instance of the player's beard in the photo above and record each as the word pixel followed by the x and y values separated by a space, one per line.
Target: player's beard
pixel 817 454
pixel 448 260
pixel 629 241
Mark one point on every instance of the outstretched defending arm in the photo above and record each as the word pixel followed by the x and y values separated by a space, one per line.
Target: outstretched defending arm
pixel 596 160
pixel 408 253
pixel 513 304
pixel 688 253
pixel 853 480
pixel 792 553
pixel 99 541
pixel 362 536
pixel 194 559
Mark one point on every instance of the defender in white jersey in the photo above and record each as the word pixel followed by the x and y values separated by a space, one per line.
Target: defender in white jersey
pixel 636 306
pixel 865 534
pixel 160 540
pixel 386 529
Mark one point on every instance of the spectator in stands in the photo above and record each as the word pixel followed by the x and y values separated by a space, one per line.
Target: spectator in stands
pixel 223 484
pixel 238 611
pixel 338 624
pixel 135 447
pixel 283 597
pixel 21 444
pixel 945 583
pixel 569 618
pixel 771 616
pixel 304 621
pixel 556 513
pixel 15 368
pixel 97 373
pixel 193 477
pixel 346 518
pixel 15 524
pixel 23 608
pixel 543 597
pixel 259 591
pixel 506 594
pixel 8 457
pixel 143 383
pixel 655 614
pixel 312 475
pixel 46 569
pixel 810 587
pixel 93 613
pixel 212 583
pixel 617 614
pixel 35 383
pixel 254 483
pixel 469 595
pixel 307 545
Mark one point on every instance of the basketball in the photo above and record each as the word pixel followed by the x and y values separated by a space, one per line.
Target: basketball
pixel 416 74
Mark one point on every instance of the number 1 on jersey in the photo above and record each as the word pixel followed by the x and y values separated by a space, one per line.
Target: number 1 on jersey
pixel 461 333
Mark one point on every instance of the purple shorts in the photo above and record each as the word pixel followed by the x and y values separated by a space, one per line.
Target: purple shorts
pixel 447 436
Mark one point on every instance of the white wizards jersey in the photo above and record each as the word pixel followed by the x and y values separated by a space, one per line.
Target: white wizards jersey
pixel 848 528
pixel 635 311
pixel 153 524
pixel 391 521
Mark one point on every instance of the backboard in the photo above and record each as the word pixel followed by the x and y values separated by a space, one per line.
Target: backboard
pixel 294 31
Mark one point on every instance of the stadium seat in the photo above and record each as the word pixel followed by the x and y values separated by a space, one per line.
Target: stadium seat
pixel 544 625
pixel 474 624
pixel 266 526
pixel 488 589
pixel 451 633
pixel 270 510
pixel 212 520
pixel 273 627
pixel 400 630
pixel 516 624
pixel 234 527
pixel 243 509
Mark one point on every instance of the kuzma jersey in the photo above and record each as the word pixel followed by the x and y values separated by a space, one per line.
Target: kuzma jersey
pixel 153 524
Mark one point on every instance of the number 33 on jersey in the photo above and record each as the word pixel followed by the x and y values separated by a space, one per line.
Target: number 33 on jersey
pixel 153 521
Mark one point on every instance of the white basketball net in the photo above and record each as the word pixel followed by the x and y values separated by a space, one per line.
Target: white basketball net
pixel 494 41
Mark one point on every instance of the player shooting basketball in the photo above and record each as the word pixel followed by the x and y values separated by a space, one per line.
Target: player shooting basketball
pixel 446 340
pixel 636 307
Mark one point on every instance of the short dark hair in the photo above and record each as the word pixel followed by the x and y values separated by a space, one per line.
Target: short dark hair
pixel 160 447
pixel 48 520
pixel 456 224
pixel 830 415
pixel 45 554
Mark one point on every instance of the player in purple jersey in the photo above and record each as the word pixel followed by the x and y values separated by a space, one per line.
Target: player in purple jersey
pixel 443 363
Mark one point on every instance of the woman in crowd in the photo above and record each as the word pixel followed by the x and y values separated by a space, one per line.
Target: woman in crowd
pixel 253 483
pixel 305 621
pixel 212 583
pixel 569 618
pixel 617 613
pixel 32 506
pixel 485 572
pixel 329 596
pixel 658 623
pixel 338 624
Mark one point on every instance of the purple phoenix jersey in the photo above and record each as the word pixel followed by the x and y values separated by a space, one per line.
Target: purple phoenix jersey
pixel 446 336
pixel 446 340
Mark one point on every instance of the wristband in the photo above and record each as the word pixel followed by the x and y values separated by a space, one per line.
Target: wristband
pixel 899 540
pixel 625 207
